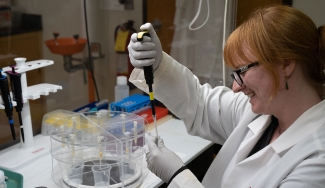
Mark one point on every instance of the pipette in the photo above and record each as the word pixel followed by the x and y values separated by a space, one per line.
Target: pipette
pixel 15 80
pixel 148 75
pixel 6 100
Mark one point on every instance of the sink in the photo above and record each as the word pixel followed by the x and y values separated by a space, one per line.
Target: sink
pixel 66 46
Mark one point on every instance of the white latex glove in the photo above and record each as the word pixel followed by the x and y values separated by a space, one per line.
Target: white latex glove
pixel 146 52
pixel 161 161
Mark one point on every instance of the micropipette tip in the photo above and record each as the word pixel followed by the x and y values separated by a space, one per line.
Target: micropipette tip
pixel 155 122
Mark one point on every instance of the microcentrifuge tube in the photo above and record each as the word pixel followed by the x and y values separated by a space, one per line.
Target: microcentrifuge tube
pixel 127 142
pixel 123 122
pixel 72 137
pixel 135 129
pixel 100 140
pixel 74 123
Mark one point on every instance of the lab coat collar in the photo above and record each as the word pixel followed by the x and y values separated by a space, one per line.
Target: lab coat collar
pixel 260 124
pixel 257 127
pixel 307 123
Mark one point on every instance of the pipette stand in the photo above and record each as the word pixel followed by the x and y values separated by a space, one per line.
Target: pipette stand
pixel 15 156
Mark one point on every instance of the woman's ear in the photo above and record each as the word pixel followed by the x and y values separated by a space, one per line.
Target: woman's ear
pixel 288 67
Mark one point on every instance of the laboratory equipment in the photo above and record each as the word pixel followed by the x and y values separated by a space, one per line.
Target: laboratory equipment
pixel 29 150
pixel 15 80
pixel 135 131
pixel 102 174
pixel 148 75
pixel 2 180
pixel 131 103
pixel 6 100
pixel 90 147
pixel 122 90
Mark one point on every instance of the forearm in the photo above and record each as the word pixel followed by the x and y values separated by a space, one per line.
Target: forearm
pixel 185 179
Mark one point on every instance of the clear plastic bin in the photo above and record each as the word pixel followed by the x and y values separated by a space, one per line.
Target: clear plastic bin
pixel 80 142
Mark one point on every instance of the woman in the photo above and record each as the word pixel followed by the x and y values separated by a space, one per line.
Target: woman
pixel 271 125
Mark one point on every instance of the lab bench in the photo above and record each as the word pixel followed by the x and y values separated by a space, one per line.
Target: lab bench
pixel 193 150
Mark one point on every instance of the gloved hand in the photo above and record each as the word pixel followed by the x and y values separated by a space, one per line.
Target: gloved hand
pixel 161 161
pixel 147 52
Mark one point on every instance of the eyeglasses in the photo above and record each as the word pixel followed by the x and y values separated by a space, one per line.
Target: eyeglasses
pixel 236 73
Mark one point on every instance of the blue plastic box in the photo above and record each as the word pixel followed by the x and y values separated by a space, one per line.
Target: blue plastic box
pixel 131 103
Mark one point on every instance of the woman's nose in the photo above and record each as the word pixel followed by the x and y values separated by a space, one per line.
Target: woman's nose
pixel 236 87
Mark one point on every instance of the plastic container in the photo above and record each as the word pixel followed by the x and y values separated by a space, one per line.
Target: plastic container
pixel 122 90
pixel 131 103
pixel 2 180
pixel 15 180
pixel 102 175
pixel 82 142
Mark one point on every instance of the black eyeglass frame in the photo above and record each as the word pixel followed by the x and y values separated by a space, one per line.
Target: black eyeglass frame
pixel 236 73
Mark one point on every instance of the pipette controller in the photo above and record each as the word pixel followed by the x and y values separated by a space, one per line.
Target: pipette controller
pixel 6 100
pixel 148 75
pixel 15 80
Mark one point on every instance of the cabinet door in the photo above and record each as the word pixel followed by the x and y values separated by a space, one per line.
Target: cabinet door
pixel 162 11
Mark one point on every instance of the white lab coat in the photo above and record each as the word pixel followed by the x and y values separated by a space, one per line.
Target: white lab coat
pixel 296 159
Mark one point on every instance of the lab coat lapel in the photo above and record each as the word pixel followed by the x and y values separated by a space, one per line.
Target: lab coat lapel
pixel 215 172
pixel 257 128
pixel 243 165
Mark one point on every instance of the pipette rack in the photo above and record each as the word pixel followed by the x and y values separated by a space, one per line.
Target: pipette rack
pixel 27 151
pixel 80 141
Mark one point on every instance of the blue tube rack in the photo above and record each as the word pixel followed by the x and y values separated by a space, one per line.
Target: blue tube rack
pixel 131 103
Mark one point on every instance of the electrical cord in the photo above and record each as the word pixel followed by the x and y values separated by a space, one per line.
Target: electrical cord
pixel 89 53
pixel 197 15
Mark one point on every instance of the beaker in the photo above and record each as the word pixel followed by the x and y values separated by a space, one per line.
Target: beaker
pixel 126 172
pixel 102 174
pixel 136 158
pixel 76 174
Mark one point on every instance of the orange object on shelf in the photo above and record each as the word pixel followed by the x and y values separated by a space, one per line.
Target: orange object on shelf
pixel 147 113
pixel 66 46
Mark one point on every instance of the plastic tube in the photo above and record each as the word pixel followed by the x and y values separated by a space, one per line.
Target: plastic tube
pixel 62 135
pixel 135 129
pixel 123 122
pixel 72 137
pixel 74 123
pixel 127 142
pixel 100 140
